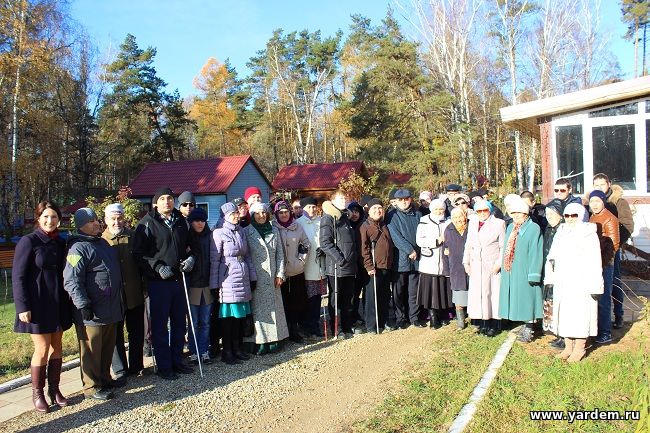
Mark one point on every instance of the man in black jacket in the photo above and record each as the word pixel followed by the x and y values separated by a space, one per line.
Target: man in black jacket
pixel 160 248
pixel 338 242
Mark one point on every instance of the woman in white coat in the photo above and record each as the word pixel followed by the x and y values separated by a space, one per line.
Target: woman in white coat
pixel 574 268
pixel 482 260
pixel 434 292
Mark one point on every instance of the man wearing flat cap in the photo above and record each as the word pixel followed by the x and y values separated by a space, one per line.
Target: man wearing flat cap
pixel 92 278
pixel 121 239
pixel 161 251
pixel 452 190
pixel 402 225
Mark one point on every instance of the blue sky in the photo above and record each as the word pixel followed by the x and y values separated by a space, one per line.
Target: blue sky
pixel 186 33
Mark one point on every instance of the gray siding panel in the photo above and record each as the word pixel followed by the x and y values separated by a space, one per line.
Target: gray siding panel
pixel 249 176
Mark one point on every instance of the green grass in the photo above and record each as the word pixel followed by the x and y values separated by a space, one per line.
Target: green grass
pixel 429 399
pixel 16 349
pixel 608 379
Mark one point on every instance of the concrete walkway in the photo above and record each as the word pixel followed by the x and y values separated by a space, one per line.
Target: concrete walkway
pixel 19 400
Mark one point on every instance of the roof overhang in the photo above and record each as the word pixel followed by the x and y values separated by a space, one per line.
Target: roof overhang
pixel 524 117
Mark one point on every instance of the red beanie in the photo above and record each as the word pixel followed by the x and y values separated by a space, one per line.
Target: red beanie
pixel 251 190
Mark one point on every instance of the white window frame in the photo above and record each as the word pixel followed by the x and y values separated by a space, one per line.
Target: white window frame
pixel 207 206
pixel 581 118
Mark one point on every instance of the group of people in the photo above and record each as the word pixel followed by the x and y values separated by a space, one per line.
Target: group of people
pixel 259 275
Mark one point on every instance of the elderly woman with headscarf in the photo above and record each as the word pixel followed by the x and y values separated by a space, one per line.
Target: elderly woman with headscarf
pixel 455 236
pixel 295 246
pixel 267 253
pixel 520 295
pixel 482 262
pixel 433 292
pixel 232 274
pixel 553 216
pixel 575 311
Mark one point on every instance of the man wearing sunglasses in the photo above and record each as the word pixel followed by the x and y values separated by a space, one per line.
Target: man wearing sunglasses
pixel 563 192
pixel 186 204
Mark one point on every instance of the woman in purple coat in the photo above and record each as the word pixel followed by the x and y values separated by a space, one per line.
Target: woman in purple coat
pixel 43 307
pixel 233 275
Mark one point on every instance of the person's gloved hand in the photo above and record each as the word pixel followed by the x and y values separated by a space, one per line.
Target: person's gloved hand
pixel 253 285
pixel 165 272
pixel 188 264
pixel 87 313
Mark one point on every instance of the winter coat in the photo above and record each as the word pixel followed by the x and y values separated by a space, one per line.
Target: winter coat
pixel 376 231
pixel 156 244
pixel 337 240
pixel 403 228
pixel 93 279
pixel 484 251
pixel 132 284
pixel 37 281
pixel 429 238
pixel 621 210
pixel 311 226
pixel 268 310
pixel 574 268
pixel 231 266
pixel 198 279
pixel 520 296
pixel 292 237
pixel 607 228
pixel 538 215
pixel 547 241
pixel 453 251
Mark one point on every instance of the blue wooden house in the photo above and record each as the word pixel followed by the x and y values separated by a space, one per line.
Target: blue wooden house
pixel 213 181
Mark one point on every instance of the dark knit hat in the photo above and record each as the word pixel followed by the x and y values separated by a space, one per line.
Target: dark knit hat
pixel 365 199
pixel 355 206
pixel 598 193
pixel 238 201
pixel 165 190
pixel 556 206
pixel 84 215
pixel 374 201
pixel 307 201
pixel 185 197
pixel 197 214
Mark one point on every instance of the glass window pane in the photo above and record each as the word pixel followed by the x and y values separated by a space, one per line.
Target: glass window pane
pixel 614 154
pixel 619 110
pixel 568 144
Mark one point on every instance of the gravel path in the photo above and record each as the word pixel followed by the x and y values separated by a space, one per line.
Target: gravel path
pixel 321 387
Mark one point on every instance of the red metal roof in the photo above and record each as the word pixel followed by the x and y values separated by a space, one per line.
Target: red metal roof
pixel 314 176
pixel 200 176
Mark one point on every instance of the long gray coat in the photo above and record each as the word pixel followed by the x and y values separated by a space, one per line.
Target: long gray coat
pixel 268 311
pixel 484 250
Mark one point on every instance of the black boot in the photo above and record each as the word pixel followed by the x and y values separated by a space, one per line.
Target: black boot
pixel 227 355
pixel 460 318
pixel 434 321
pixel 238 341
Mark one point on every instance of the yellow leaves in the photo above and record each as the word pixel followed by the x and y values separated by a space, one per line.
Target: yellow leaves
pixel 213 79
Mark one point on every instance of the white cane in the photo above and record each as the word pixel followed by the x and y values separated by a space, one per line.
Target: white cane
pixel 189 312
pixel 374 281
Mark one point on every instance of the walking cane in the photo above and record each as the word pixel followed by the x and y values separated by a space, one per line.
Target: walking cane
pixel 374 281
pixel 189 312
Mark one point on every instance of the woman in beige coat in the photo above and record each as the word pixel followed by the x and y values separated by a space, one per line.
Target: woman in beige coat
pixel 482 261
pixel 296 246
pixel 574 268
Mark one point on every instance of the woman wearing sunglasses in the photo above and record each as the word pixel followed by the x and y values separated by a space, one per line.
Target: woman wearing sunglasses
pixel 482 262
pixel 574 268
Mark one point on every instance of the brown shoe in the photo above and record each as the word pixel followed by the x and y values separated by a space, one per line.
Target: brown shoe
pixel 568 349
pixel 53 379
pixel 38 383
pixel 578 350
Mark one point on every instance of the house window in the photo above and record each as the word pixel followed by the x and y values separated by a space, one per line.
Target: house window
pixel 568 144
pixel 204 206
pixel 614 154
pixel 619 110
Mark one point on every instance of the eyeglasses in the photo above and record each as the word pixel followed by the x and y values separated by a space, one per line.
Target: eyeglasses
pixel 570 215
pixel 483 210
pixel 560 190
pixel 188 204
pixel 459 202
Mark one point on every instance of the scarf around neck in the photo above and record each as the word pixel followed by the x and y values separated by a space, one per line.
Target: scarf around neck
pixel 510 247
pixel 263 229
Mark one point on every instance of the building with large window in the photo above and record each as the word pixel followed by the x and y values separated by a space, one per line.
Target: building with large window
pixel 604 129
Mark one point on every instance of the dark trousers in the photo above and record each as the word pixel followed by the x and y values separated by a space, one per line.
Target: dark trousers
pixel 311 318
pixel 167 303
pixel 134 320
pixel 96 345
pixel 382 277
pixel 345 288
pixel 294 300
pixel 215 327
pixel 231 333
pixel 359 301
pixel 405 294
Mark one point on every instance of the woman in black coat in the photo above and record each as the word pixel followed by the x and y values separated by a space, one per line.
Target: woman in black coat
pixel 455 236
pixel 43 307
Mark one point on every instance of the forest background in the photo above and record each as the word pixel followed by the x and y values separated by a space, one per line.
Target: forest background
pixel 418 92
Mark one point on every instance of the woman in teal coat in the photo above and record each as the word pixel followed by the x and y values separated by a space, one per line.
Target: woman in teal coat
pixel 520 295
